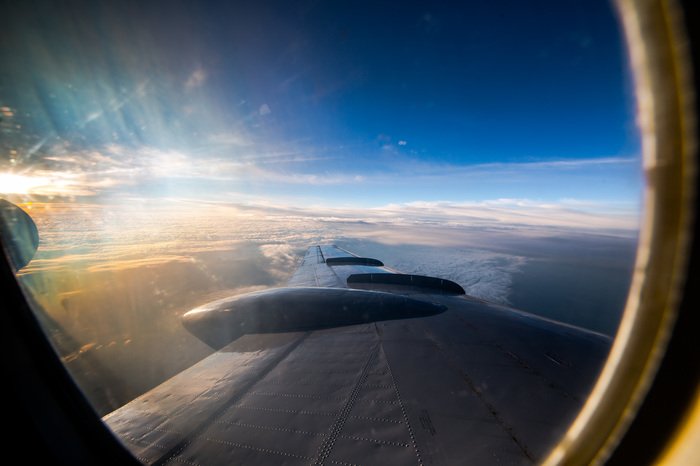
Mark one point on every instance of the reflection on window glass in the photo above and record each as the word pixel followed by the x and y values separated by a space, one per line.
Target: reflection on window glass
pixel 175 156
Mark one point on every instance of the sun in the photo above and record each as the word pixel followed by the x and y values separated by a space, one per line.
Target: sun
pixel 11 183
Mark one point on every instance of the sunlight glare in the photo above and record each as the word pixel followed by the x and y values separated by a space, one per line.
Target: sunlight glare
pixel 11 183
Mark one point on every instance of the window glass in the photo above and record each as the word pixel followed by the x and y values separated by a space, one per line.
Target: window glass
pixel 175 155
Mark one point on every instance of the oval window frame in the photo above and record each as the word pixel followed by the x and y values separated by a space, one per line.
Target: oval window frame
pixel 661 63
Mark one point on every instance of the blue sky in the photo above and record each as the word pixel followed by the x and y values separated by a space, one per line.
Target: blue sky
pixel 321 104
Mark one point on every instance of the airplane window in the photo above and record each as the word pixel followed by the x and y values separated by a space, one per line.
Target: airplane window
pixel 175 157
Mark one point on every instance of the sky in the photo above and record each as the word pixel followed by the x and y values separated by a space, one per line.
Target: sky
pixel 317 104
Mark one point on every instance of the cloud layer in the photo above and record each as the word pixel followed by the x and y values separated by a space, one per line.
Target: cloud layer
pixel 478 246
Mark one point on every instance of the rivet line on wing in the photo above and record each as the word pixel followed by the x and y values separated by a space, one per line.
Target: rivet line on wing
pixel 403 410
pixel 196 433
pixel 326 447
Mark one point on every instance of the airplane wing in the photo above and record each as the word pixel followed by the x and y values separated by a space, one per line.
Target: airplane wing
pixel 353 363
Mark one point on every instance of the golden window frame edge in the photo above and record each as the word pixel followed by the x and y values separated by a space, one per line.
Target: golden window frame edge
pixel 662 72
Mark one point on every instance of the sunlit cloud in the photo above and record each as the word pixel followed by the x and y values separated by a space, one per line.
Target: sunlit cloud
pixel 522 214
pixel 231 138
pixel 569 163
pixel 196 79
pixel 430 169
pixel 289 177
pixel 498 215
pixel 87 172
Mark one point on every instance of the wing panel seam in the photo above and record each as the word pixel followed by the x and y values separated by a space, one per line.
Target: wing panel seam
pixel 520 362
pixel 398 397
pixel 326 447
pixel 234 399
pixel 480 395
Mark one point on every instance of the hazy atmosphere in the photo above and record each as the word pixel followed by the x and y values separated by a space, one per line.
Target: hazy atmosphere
pixel 171 158
pixel 111 284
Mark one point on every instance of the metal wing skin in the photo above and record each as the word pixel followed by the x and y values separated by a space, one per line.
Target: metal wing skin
pixel 381 368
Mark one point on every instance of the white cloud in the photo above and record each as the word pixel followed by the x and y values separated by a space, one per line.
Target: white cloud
pixel 420 218
pixel 284 259
pixel 418 168
pixel 231 138
pixel 196 79
pixel 67 172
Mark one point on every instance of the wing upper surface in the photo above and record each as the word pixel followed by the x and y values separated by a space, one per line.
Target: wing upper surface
pixel 315 271
pixel 477 383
